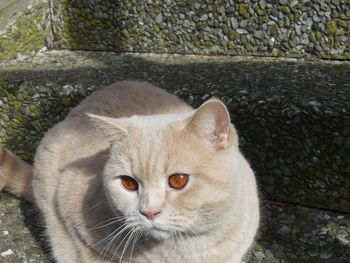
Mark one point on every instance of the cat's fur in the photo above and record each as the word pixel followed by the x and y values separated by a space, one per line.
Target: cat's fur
pixel 135 129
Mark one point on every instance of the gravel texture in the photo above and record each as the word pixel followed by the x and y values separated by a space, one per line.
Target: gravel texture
pixel 305 28
pixel 292 116
pixel 287 234
pixel 254 27
pixel 24 27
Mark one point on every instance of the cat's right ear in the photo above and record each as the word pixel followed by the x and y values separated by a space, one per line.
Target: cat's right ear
pixel 109 127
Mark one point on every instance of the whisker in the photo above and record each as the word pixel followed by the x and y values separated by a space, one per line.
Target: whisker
pixel 113 221
pixel 110 239
pixel 96 205
pixel 137 236
pixel 121 242
pixel 127 243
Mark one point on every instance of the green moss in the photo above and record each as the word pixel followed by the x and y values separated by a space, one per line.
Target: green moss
pixel 156 28
pixel 312 37
pixel 344 17
pixel 243 11
pixel 340 32
pixel 260 12
pixel 343 23
pixel 26 36
pixel 331 40
pixel 331 27
pixel 285 10
pixel 318 36
pixel 124 33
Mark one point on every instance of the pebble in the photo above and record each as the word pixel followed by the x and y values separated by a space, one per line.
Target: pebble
pixel 159 18
pixel 5 233
pixel 186 23
pixel 284 230
pixel 234 23
pixel 7 253
pixel 242 31
pixel 204 17
pixel 259 34
pixel 293 3
pixel 325 255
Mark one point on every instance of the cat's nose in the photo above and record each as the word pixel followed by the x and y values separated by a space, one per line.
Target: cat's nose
pixel 150 214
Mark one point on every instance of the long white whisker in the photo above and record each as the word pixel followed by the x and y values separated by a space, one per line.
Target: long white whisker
pixel 125 227
pixel 121 242
pixel 101 225
pixel 127 243
pixel 96 205
pixel 137 236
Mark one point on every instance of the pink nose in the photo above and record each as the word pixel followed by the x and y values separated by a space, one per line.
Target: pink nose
pixel 150 214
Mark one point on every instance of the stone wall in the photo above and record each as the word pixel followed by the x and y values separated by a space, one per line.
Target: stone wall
pixel 297 28
pixel 293 117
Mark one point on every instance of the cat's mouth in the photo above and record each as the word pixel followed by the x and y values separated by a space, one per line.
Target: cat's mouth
pixel 158 232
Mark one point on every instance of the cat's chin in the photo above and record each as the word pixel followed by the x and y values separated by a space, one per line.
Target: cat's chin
pixel 158 234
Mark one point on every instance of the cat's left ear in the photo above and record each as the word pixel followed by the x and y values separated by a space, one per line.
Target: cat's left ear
pixel 211 121
pixel 111 128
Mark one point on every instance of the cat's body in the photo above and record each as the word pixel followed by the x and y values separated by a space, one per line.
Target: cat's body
pixel 83 162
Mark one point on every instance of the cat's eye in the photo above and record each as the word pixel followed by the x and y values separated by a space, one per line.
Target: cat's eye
pixel 129 183
pixel 178 181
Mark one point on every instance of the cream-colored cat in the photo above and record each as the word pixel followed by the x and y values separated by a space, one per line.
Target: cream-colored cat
pixel 133 174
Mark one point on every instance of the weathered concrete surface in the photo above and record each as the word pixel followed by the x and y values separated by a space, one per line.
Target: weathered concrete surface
pixel 9 9
pixel 306 29
pixel 288 234
pixel 20 232
pixel 25 33
pixel 264 28
pixel 293 116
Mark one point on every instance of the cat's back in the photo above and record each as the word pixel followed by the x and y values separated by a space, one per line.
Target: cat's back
pixel 128 98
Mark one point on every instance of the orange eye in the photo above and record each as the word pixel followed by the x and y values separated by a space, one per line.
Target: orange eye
pixel 178 181
pixel 129 183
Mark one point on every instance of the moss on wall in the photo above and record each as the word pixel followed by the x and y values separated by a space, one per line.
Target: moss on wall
pixel 28 34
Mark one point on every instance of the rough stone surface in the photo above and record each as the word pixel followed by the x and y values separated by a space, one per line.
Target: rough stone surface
pixel 26 28
pixel 292 116
pixel 9 9
pixel 220 27
pixel 306 29
pixel 313 236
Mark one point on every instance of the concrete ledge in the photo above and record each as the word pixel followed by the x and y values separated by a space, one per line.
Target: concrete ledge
pixel 293 116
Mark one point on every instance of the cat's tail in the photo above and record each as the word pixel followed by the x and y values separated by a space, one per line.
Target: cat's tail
pixel 15 175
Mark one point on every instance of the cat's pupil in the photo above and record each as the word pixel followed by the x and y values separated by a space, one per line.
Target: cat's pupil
pixel 178 181
pixel 129 183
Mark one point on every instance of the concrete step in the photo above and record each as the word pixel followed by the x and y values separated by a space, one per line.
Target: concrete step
pixel 293 116
pixel 288 233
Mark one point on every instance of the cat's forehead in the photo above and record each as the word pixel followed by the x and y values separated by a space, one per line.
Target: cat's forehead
pixel 158 121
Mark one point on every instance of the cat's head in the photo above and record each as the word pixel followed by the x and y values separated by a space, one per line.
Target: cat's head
pixel 172 173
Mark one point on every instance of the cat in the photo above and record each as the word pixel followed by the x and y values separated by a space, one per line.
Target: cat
pixel 133 174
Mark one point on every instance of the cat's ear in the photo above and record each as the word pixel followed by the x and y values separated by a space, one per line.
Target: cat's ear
pixel 111 128
pixel 211 121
